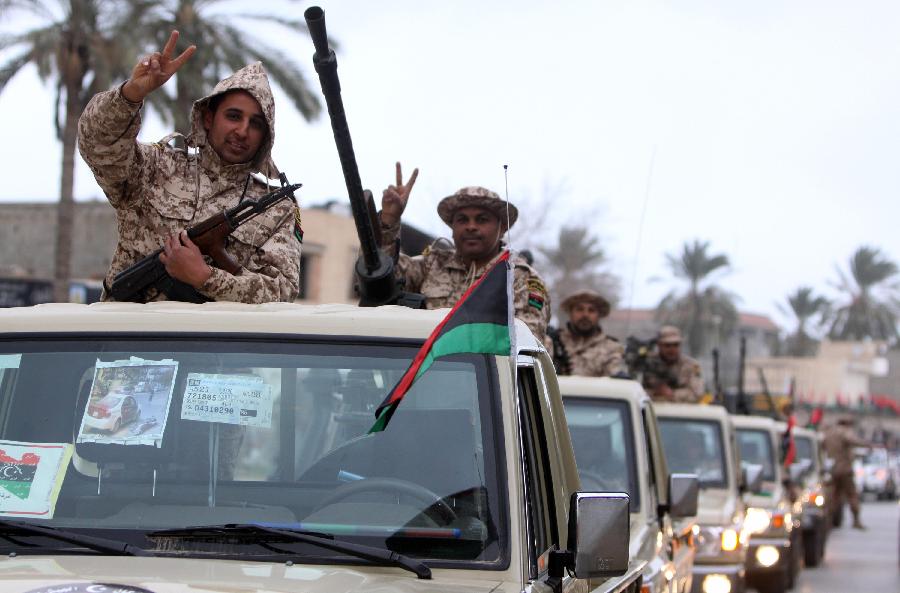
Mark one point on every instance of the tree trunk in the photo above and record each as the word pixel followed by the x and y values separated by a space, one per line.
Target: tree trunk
pixel 65 211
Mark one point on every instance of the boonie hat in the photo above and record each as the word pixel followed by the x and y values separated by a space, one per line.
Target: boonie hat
pixel 478 197
pixel 669 334
pixel 587 296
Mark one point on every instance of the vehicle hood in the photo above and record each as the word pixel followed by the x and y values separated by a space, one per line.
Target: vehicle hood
pixel 715 507
pixel 105 574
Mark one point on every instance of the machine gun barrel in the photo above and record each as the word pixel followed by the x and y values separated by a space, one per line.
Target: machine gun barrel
pixel 325 63
pixel 375 268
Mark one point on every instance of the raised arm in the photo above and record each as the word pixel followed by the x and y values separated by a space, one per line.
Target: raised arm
pixel 108 128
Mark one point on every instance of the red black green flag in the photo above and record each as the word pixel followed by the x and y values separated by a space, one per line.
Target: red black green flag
pixel 480 323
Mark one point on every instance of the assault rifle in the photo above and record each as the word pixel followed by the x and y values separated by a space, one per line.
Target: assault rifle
pixel 374 268
pixel 561 360
pixel 135 282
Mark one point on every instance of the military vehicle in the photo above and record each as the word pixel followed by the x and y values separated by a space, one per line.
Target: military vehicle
pixel 774 554
pixel 262 471
pixel 618 449
pixel 814 520
pixel 700 439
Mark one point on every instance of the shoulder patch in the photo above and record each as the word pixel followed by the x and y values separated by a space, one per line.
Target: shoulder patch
pixel 536 300
pixel 298 229
pixel 535 284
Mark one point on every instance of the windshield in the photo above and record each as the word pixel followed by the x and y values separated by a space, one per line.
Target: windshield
pixel 604 445
pixel 756 447
pixel 803 448
pixel 695 447
pixel 176 433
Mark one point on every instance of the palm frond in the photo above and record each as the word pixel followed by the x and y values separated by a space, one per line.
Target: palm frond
pixel 12 66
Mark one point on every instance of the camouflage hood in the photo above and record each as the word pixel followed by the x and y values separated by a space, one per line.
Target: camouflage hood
pixel 253 79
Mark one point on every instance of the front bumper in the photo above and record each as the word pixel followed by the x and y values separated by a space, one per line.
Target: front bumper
pixel 812 519
pixel 734 573
pixel 782 545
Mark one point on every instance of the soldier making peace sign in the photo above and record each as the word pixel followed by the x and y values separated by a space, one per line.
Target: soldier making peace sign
pixel 478 218
pixel 158 191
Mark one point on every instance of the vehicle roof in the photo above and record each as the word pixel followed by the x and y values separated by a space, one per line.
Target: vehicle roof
pixel 673 410
pixel 758 422
pixel 602 387
pixel 234 318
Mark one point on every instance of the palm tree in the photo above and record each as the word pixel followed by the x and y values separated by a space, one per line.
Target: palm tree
pixel 803 306
pixel 872 299
pixel 81 46
pixel 576 263
pixel 222 47
pixel 705 309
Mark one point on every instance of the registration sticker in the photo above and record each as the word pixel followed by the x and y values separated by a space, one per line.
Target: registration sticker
pixel 31 475
pixel 228 399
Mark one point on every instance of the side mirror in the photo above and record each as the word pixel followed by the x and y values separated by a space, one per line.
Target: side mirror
pixel 598 536
pixel 752 474
pixel 684 490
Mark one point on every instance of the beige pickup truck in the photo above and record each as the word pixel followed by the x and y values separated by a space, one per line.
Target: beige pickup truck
pixel 618 449
pixel 700 439
pixel 774 556
pixel 249 464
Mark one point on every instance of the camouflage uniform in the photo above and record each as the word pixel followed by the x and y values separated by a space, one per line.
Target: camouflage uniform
pixel 593 355
pixel 683 376
pixel 597 355
pixel 442 277
pixel 838 444
pixel 158 190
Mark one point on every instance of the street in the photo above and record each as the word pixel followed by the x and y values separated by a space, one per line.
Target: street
pixel 857 561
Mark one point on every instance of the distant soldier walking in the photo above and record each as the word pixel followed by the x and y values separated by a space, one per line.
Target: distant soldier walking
pixel 582 347
pixel 670 375
pixel 478 218
pixel 839 444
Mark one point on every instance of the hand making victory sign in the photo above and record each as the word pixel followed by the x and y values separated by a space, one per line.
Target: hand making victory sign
pixel 395 197
pixel 152 71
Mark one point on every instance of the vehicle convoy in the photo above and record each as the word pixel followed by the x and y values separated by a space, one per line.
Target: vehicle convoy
pixel 618 449
pixel 700 439
pixel 814 520
pixel 261 472
pixel 773 555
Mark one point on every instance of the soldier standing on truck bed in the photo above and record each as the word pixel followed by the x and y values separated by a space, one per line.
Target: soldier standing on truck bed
pixel 670 375
pixel 839 443
pixel 582 343
pixel 158 191
pixel 478 218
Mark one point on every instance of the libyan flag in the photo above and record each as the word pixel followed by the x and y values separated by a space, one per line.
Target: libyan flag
pixel 479 323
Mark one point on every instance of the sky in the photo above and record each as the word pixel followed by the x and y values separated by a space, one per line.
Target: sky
pixel 770 129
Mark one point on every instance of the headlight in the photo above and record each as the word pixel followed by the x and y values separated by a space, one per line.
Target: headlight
pixel 756 520
pixel 716 583
pixel 729 540
pixel 767 555
pixel 816 498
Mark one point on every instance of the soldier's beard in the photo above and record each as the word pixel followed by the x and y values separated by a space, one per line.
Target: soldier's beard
pixel 583 327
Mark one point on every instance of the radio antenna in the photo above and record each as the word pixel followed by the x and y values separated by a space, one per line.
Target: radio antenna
pixel 637 247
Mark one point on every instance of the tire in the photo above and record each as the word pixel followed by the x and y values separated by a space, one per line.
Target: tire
pixel 812 549
pixel 793 568
pixel 776 582
pixel 837 517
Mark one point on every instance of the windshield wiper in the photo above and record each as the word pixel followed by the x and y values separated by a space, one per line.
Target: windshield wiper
pixel 98 544
pixel 256 532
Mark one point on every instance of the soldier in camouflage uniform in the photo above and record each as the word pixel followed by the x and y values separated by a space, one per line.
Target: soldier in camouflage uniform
pixel 478 218
pixel 589 351
pixel 670 375
pixel 158 191
pixel 838 444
